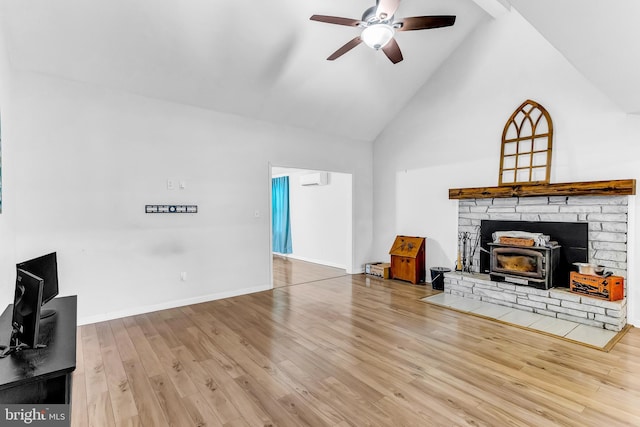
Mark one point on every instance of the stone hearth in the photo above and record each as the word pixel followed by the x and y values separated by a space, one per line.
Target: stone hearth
pixel 555 302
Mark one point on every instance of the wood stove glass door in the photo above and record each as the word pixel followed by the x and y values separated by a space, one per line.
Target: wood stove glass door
pixel 518 262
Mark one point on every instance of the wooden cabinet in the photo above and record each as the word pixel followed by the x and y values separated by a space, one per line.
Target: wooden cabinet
pixel 407 259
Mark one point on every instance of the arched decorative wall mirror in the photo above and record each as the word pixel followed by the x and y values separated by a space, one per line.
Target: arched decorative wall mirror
pixel 527 141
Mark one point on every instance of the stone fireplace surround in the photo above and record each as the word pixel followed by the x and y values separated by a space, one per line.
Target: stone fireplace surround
pixel 607 218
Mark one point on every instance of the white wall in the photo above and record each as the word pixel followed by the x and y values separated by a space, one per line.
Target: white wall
pixel 449 136
pixel 321 219
pixel 85 160
pixel 7 238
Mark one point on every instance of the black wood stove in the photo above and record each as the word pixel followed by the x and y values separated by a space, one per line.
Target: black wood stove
pixel 535 266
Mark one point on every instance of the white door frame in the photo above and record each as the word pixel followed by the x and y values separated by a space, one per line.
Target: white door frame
pixel 349 238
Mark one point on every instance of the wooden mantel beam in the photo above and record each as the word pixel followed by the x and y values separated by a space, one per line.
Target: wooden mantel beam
pixel 623 187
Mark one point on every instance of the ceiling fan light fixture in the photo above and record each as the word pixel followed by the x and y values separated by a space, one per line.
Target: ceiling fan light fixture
pixel 378 28
pixel 377 36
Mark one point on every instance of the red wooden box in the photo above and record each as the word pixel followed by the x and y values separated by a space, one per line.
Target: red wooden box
pixel 609 288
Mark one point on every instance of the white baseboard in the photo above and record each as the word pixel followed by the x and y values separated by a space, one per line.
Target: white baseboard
pixel 315 261
pixel 169 304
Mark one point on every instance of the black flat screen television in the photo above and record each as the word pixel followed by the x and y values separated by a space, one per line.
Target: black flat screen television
pixel 45 267
pixel 36 284
pixel 26 309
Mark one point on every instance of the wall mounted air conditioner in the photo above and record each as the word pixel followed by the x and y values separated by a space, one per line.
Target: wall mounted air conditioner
pixel 316 178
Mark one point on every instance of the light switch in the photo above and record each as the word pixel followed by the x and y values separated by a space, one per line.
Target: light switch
pixel 183 185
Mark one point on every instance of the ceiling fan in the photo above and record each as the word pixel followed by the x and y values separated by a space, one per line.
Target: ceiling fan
pixel 379 26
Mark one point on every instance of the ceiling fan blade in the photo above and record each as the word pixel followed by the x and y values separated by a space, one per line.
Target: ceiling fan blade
pixel 426 22
pixel 392 50
pixel 386 8
pixel 336 20
pixel 344 49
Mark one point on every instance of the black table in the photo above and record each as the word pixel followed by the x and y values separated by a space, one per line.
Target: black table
pixel 41 375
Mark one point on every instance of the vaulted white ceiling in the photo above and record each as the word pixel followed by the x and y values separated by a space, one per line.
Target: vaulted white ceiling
pixel 600 38
pixel 260 59
pixel 265 60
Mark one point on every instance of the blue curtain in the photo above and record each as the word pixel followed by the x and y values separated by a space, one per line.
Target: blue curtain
pixel 281 224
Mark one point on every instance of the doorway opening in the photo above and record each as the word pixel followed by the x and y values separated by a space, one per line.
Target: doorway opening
pixel 321 224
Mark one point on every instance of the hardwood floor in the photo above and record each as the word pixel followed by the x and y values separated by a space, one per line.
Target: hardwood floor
pixel 345 351
pixel 290 271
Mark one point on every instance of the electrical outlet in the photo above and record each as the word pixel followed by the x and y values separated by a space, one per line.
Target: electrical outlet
pixel 171 184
